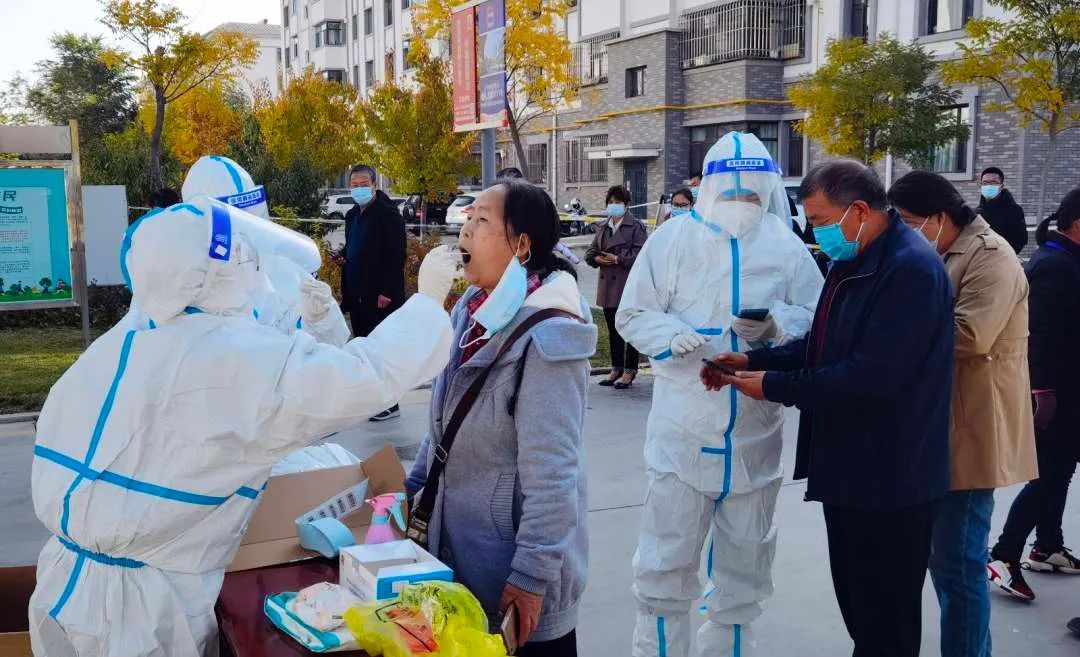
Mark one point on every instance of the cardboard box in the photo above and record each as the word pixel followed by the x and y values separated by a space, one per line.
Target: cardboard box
pixel 16 587
pixel 378 572
pixel 271 538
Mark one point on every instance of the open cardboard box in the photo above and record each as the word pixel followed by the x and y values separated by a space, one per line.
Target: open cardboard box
pixel 271 538
pixel 16 587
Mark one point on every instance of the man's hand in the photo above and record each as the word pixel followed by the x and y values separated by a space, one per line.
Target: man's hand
pixel 384 302
pixel 714 379
pixel 606 259
pixel 750 384
pixel 529 606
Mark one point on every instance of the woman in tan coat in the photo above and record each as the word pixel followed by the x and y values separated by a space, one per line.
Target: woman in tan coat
pixel 992 436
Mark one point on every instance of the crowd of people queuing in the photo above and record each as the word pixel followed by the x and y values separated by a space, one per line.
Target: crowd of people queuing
pixel 929 365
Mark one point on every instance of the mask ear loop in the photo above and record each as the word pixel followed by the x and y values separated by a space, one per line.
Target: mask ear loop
pixel 465 345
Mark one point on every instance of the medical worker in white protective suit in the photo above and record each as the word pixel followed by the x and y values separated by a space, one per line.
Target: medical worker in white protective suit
pixel 287 295
pixel 153 448
pixel 713 459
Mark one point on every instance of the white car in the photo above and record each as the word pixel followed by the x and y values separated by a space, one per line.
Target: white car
pixel 336 206
pixel 455 213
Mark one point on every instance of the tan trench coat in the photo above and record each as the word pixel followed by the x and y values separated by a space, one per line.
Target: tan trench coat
pixel 992 441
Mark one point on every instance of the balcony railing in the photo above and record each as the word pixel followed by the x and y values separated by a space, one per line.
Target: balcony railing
pixel 743 29
pixel 590 59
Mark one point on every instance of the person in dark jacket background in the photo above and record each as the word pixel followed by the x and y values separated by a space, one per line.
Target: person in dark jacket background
pixel 373 278
pixel 1054 361
pixel 873 381
pixel 1001 210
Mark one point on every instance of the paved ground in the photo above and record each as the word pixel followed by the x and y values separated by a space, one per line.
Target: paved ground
pixel 801 619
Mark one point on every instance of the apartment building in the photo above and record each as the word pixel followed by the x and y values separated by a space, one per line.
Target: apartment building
pixel 663 79
pixel 361 42
pixel 266 71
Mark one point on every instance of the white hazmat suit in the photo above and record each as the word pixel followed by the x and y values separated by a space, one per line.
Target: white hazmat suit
pixel 153 448
pixel 713 459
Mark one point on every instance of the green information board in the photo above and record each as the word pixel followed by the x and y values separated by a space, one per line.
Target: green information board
pixel 35 237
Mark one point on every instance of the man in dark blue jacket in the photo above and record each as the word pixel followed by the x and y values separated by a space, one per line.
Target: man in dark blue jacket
pixel 873 382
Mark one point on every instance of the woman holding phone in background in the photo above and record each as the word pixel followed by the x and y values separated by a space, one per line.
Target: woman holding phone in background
pixel 614 250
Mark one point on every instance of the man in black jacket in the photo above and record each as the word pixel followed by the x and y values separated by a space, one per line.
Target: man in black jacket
pixel 373 278
pixel 1001 210
pixel 873 381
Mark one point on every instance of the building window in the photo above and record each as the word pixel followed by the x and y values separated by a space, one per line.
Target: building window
pixel 405 55
pixel 295 49
pixel 369 72
pixel 307 57
pixel 287 62
pixel 335 75
pixel 635 81
pixel 356 75
pixel 859 18
pixel 305 11
pixel 953 156
pixel 703 137
pixel 285 17
pixel 794 164
pixel 579 168
pixel 355 27
pixel 369 20
pixel 405 4
pixel 590 59
pixel 388 12
pixel 769 135
pixel 537 166
pixel 330 33
pixel 743 29
pixel 948 15
pixel 294 4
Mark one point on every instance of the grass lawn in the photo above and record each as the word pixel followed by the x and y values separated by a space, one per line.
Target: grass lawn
pixel 31 360
pixel 603 348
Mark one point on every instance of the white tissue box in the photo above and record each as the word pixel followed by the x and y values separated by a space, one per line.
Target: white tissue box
pixel 378 572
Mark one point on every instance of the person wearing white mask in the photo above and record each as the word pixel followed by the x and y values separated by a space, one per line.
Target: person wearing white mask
pixel 713 459
pixel 153 448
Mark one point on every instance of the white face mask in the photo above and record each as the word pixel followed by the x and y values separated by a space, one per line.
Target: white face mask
pixel 737 217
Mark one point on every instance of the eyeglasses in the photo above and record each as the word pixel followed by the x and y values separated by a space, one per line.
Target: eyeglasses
pixel 680 205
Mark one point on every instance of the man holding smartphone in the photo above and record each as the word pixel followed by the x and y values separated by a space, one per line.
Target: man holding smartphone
pixel 713 459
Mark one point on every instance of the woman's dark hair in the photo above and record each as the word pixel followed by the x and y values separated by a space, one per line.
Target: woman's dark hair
pixel 618 193
pixel 925 194
pixel 164 198
pixel 1067 214
pixel 685 193
pixel 529 211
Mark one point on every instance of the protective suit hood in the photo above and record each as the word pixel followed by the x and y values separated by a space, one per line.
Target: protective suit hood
pixel 221 178
pixel 740 184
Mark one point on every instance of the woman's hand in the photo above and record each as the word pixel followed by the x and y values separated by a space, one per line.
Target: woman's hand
pixel 529 606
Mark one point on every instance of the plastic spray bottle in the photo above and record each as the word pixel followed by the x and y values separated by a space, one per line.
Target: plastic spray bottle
pixel 384 506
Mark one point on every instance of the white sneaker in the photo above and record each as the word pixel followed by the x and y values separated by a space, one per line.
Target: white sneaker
pixel 388 414
pixel 1061 561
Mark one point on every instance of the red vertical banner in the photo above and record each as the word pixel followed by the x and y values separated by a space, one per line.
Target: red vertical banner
pixel 463 62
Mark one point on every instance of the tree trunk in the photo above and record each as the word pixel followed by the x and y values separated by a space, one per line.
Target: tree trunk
pixel 155 139
pixel 1051 155
pixel 519 150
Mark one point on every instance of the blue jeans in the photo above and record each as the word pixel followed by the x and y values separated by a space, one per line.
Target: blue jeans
pixel 958 569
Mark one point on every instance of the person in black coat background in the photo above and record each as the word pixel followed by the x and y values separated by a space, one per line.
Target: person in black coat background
pixel 373 278
pixel 1054 361
pixel 1001 210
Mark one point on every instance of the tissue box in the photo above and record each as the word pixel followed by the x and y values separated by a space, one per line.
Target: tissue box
pixel 378 572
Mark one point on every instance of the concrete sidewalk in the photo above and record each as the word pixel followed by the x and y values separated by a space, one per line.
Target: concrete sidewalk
pixel 800 620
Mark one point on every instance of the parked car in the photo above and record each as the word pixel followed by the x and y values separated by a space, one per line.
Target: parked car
pixel 336 205
pixel 792 190
pixel 456 215
pixel 434 211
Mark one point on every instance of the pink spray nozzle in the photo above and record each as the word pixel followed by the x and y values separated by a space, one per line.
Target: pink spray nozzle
pixel 385 506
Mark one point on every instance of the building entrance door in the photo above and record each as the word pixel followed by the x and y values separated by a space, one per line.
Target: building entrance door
pixel 636 180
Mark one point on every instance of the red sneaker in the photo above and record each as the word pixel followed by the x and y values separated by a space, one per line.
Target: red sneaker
pixel 1061 561
pixel 1009 578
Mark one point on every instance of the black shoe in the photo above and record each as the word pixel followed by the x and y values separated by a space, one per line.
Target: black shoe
pixel 1074 626
pixel 621 385
pixel 389 414
pixel 609 382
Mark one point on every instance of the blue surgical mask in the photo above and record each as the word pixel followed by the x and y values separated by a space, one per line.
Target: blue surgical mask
pixel 503 303
pixel 833 243
pixel 679 212
pixel 616 210
pixel 362 195
pixel 990 192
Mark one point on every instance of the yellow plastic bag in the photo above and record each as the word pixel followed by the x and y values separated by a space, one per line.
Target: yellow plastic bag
pixel 437 619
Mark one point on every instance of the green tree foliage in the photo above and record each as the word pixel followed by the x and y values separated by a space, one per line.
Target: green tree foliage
pixel 123 158
pixel 411 133
pixel 870 99
pixel 1034 58
pixel 78 84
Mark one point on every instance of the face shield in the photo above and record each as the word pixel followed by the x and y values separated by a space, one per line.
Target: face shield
pixel 224 180
pixel 740 183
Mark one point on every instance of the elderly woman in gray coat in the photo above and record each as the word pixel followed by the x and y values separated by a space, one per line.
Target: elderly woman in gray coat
pixel 613 251
pixel 510 512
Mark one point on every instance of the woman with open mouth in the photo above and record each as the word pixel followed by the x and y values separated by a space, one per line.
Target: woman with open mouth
pixel 501 470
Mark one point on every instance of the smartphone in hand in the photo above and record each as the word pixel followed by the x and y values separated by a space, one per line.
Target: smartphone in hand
pixel 754 314
pixel 717 367
pixel 508 629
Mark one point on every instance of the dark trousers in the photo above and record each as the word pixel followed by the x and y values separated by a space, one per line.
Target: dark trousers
pixel 879 561
pixel 364 319
pixel 623 356
pixel 1039 507
pixel 566 646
